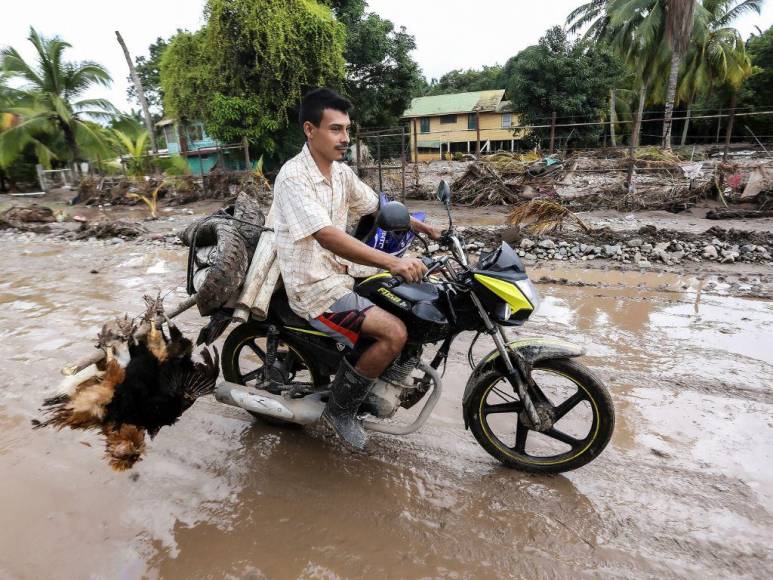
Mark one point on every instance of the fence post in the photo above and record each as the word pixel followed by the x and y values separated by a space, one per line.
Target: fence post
pixel 246 146
pixel 378 152
pixel 357 147
pixel 729 132
pixel 719 125
pixel 402 160
pixel 201 172
pixel 553 132
pixel 477 134
pixel 415 143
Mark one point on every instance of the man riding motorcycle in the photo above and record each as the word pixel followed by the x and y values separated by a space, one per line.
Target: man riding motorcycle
pixel 314 196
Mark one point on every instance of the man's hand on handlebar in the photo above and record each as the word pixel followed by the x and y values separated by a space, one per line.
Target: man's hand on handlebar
pixel 410 269
pixel 426 229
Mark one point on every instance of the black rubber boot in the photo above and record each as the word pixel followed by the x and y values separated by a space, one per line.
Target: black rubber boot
pixel 348 390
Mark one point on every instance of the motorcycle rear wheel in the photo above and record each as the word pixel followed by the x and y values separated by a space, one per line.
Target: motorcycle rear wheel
pixel 498 421
pixel 246 339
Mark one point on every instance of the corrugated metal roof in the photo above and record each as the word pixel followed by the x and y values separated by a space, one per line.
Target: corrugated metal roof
pixel 455 103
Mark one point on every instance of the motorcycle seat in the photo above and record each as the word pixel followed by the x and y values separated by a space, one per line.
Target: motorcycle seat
pixel 279 307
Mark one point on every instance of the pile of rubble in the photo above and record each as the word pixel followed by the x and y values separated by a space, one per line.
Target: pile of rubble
pixel 642 248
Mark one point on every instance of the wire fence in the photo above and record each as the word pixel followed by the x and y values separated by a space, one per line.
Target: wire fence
pixel 394 159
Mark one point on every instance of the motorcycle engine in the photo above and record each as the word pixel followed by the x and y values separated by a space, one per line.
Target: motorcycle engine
pixel 387 392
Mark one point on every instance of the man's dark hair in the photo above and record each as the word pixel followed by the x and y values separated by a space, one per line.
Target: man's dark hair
pixel 315 102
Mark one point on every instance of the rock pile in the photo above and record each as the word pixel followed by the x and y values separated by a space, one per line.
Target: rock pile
pixel 643 248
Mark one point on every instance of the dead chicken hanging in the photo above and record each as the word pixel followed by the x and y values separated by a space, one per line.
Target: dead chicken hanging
pixel 146 381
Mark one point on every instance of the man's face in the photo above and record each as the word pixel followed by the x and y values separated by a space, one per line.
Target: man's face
pixel 331 139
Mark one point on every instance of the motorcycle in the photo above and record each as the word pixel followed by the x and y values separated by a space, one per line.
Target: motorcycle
pixel 528 402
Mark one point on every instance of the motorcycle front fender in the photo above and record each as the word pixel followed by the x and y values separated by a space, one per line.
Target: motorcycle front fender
pixel 532 350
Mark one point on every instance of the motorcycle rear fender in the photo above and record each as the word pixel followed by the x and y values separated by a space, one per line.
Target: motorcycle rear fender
pixel 532 350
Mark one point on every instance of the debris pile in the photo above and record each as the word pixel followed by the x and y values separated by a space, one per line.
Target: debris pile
pixel 499 179
pixel 122 229
pixel 641 248
pixel 31 218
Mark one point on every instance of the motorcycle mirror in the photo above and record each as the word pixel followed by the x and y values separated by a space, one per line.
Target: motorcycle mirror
pixel 444 193
pixel 394 217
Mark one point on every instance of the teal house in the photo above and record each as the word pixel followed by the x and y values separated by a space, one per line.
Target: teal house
pixel 202 152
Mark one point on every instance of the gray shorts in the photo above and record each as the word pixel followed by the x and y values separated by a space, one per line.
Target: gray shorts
pixel 343 320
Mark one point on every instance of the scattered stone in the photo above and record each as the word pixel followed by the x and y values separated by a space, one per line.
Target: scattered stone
pixel 634 243
pixel 526 244
pixel 710 252
pixel 547 244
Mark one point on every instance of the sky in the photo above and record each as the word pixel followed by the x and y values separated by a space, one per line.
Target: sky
pixel 449 35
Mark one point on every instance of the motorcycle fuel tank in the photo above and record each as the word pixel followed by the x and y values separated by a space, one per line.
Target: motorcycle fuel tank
pixel 409 302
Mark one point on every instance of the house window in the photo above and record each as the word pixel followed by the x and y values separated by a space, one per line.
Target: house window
pixel 169 135
pixel 507 120
pixel 472 121
pixel 448 119
pixel 196 132
pixel 424 122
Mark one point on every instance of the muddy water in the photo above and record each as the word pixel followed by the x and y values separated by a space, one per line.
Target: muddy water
pixel 685 488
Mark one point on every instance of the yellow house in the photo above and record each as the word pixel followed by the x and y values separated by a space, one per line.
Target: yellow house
pixel 453 123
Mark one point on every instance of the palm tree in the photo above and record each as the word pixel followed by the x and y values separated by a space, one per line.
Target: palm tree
pixel 49 101
pixel 678 29
pixel 133 146
pixel 637 28
pixel 633 29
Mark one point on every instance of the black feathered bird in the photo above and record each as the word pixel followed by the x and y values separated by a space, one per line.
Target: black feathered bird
pixel 156 392
pixel 156 386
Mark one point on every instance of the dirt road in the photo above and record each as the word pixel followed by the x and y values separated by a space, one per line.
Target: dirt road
pixel 685 488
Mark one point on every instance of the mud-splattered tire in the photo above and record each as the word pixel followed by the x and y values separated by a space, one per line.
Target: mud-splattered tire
pixel 227 272
pixel 251 219
pixel 582 451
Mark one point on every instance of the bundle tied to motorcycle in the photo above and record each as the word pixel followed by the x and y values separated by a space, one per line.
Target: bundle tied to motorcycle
pixel 529 403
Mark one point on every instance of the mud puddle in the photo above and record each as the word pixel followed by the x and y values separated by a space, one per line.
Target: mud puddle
pixel 684 489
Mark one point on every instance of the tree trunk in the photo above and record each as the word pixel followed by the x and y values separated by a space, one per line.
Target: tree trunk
pixel 612 117
pixel 673 77
pixel 72 145
pixel 140 93
pixel 730 122
pixel 635 136
pixel 686 123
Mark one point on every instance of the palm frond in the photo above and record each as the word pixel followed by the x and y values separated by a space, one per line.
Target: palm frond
pixel 543 216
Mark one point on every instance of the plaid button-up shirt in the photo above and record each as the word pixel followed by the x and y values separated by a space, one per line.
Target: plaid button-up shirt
pixel 304 203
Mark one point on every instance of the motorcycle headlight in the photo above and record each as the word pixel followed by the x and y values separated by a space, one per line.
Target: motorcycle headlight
pixel 530 291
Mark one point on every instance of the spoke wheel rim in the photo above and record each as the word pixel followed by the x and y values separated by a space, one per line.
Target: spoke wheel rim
pixel 284 350
pixel 509 404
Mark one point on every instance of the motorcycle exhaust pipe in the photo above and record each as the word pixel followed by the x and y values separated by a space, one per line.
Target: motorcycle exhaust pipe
pixel 303 411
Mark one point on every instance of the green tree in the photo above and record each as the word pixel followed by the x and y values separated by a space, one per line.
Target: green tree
pixel 757 91
pixel 678 30
pixel 464 81
pixel 654 36
pixel 247 69
pixel 717 55
pixel 49 103
pixel 149 70
pixel 381 76
pixel 572 79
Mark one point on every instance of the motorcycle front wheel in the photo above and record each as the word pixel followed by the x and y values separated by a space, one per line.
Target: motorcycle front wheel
pixel 576 401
